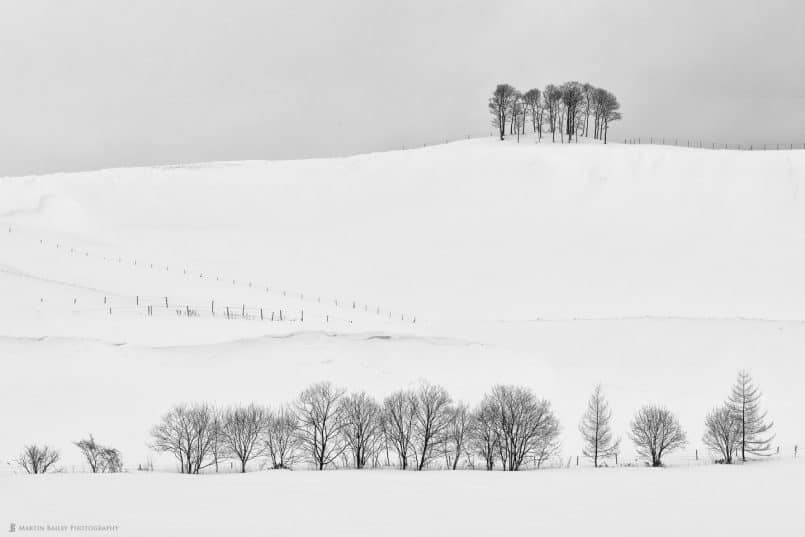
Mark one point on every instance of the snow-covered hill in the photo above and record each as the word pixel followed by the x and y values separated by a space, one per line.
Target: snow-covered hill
pixel 658 271
pixel 468 230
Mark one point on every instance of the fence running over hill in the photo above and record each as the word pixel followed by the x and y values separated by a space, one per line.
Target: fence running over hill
pixel 649 140
pixel 703 144
pixel 145 305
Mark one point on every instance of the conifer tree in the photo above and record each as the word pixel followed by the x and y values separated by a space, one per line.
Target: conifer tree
pixel 753 428
pixel 596 428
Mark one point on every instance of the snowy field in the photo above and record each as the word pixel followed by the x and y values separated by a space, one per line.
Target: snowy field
pixel 716 501
pixel 658 271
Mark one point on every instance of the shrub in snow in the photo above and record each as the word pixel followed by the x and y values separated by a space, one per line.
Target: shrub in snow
pixel 38 459
pixel 100 458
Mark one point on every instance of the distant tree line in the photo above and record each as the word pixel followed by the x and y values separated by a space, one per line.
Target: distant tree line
pixel 570 109
pixel 419 428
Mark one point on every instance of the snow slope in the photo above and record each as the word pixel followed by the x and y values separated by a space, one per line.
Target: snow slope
pixel 659 271
pixel 469 230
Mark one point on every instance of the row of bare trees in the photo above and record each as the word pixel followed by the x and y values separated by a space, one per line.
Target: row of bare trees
pixel 421 427
pixel 568 109
pixel 328 427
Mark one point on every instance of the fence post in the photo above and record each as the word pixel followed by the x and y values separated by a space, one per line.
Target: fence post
pixel 166 302
pixel 212 307
pixel 227 312
pixel 261 314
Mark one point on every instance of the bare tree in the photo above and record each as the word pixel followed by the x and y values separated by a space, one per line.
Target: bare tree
pixel 572 96
pixel 399 411
pixel 655 432
pixel 187 432
pixel 281 438
pixel 112 461
pixel 722 432
pixel 514 110
pixel 552 97
pixel 38 459
pixel 754 427
pixel 92 453
pixel 522 423
pixel 431 419
pixel 517 114
pixel 321 423
pixel 242 431
pixel 457 434
pixel 587 90
pixel 100 458
pixel 218 449
pixel 548 444
pixel 612 114
pixel 499 106
pixel 596 428
pixel 362 426
pixel 483 432
pixel 533 102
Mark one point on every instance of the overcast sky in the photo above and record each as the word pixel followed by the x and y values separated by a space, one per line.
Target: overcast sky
pixel 89 84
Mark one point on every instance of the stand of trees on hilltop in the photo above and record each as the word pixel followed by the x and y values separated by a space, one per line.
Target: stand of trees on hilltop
pixel 570 109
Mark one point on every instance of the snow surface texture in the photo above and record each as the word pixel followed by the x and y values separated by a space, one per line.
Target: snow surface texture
pixel 658 271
